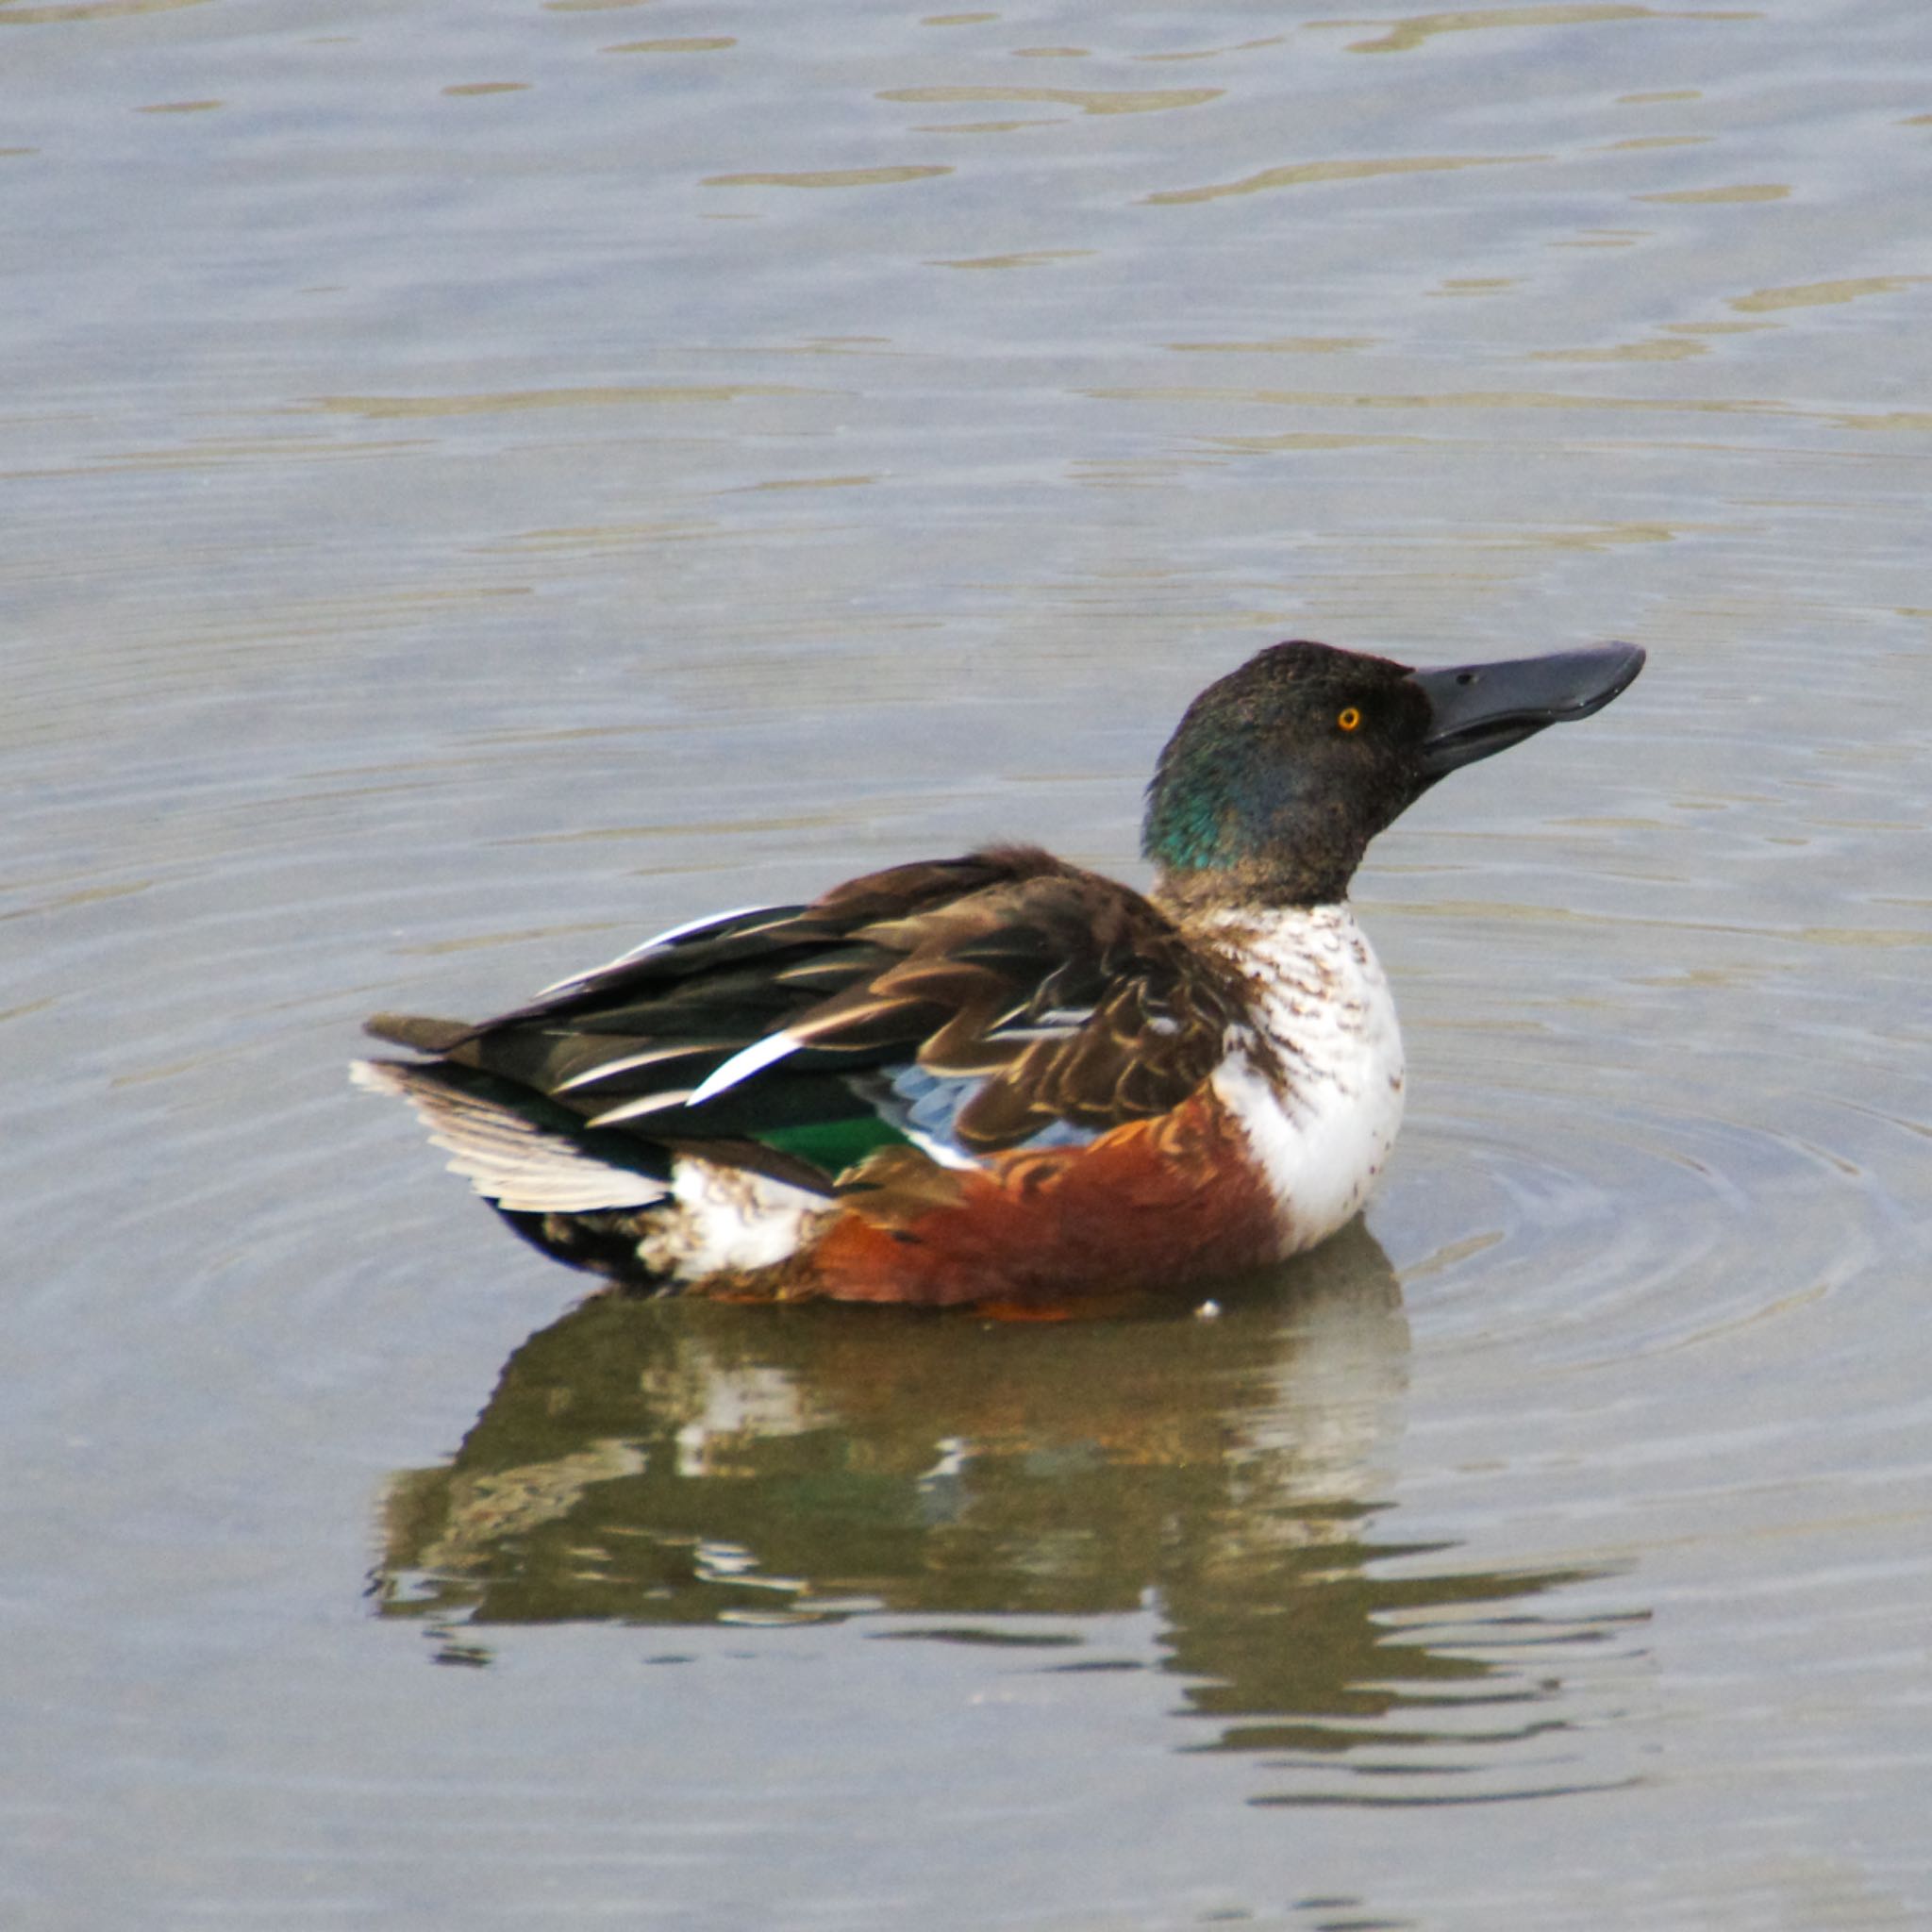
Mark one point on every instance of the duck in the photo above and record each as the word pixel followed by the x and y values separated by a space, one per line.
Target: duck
pixel 1001 1081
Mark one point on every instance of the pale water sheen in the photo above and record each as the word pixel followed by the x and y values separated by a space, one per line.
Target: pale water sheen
pixel 484 486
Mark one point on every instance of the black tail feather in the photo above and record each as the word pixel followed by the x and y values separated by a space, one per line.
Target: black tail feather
pixel 418 1031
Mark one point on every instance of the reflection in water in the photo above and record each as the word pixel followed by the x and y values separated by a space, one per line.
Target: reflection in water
pixel 691 1462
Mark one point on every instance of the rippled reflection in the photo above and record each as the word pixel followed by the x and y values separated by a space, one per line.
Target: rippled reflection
pixel 690 1463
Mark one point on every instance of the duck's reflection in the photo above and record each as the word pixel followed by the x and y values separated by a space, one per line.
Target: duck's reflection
pixel 686 1462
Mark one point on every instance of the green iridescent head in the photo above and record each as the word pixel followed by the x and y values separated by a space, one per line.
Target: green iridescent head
pixel 1281 773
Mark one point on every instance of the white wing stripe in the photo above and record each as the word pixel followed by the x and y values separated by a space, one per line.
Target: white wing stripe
pixel 755 1058
pixel 667 938
pixel 636 1110
pixel 647 1056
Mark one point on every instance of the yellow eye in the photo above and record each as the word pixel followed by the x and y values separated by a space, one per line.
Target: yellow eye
pixel 1349 719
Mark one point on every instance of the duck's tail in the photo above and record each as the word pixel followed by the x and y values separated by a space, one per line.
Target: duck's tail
pixel 418 1032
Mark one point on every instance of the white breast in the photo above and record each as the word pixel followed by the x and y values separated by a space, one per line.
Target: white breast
pixel 1316 1084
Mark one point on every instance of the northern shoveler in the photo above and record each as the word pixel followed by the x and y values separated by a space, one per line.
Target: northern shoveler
pixel 1000 1079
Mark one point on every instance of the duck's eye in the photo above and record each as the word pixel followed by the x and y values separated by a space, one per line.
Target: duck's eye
pixel 1348 719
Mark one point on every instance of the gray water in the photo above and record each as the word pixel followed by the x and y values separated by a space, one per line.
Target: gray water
pixel 483 486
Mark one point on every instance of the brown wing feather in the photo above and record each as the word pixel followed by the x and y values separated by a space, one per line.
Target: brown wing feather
pixel 1074 997
pixel 979 977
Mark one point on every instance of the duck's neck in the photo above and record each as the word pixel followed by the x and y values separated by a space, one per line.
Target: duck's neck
pixel 1190 894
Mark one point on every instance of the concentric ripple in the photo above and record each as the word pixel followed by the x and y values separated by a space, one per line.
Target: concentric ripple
pixel 1600 1169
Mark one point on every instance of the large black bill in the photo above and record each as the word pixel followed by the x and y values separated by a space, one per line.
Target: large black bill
pixel 1482 708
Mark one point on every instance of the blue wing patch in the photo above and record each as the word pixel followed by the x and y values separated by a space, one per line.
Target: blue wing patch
pixel 926 1108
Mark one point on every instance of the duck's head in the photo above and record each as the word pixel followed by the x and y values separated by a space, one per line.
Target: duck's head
pixel 1281 773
